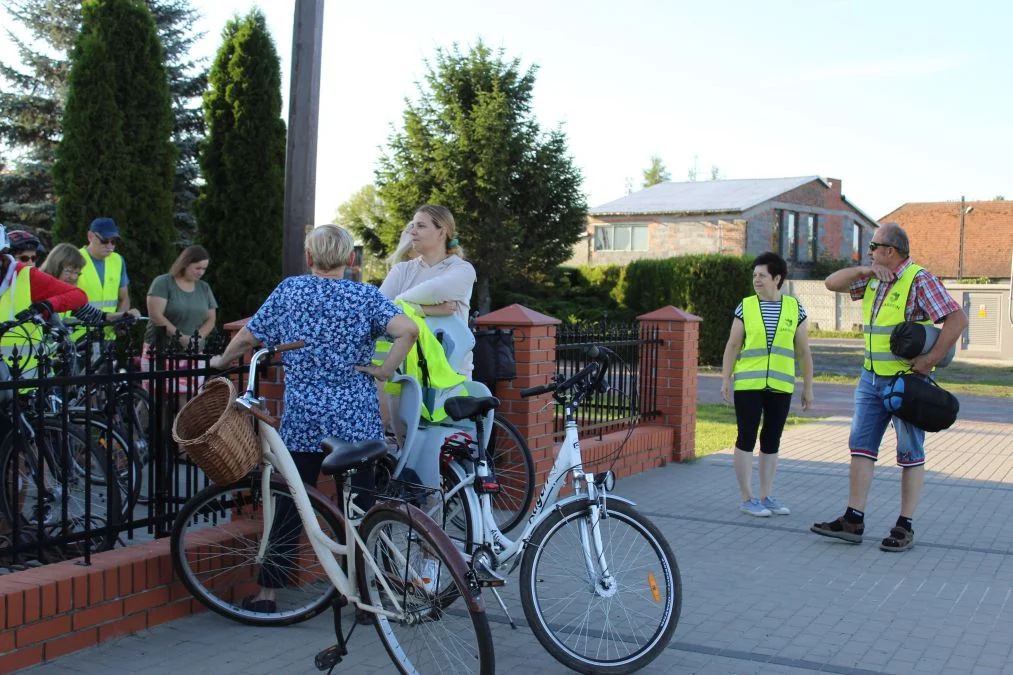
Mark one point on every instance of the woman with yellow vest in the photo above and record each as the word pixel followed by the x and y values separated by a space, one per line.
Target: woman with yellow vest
pixel 768 337
pixel 892 290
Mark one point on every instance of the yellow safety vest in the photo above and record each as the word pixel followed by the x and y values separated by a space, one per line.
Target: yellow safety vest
pixel 758 367
pixel 102 293
pixel 25 338
pixel 878 357
pixel 444 382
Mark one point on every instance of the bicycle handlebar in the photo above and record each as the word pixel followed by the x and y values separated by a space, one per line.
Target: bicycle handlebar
pixel 267 351
pixel 597 368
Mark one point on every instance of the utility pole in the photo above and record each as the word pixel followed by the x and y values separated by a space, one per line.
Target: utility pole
pixel 960 262
pixel 303 116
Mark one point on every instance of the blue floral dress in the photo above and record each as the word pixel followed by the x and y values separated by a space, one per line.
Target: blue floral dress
pixel 339 321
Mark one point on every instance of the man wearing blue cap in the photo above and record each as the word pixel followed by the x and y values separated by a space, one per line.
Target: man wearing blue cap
pixel 104 276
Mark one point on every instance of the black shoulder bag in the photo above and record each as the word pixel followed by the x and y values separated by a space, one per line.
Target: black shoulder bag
pixel 920 402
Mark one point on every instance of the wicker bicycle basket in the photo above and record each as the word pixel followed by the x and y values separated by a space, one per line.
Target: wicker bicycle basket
pixel 217 437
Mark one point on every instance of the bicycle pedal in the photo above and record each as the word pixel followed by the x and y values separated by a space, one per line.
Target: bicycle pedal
pixel 329 657
pixel 486 578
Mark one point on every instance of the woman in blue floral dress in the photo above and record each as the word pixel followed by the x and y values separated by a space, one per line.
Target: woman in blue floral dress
pixel 329 387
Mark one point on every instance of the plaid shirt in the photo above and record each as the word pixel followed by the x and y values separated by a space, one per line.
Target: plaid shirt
pixel 928 299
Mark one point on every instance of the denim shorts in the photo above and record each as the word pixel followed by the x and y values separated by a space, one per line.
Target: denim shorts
pixel 871 420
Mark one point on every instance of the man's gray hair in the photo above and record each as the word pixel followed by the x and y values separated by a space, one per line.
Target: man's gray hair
pixel 894 235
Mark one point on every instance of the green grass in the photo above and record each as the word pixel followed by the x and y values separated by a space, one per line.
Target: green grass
pixel 716 430
pixel 820 333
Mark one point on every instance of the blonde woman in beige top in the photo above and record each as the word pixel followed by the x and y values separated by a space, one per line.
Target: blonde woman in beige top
pixel 436 279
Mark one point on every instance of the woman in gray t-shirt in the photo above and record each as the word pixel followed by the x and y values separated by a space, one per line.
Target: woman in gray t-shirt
pixel 181 301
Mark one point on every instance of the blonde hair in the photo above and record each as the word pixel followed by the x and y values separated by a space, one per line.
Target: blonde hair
pixel 329 246
pixel 443 219
pixel 61 257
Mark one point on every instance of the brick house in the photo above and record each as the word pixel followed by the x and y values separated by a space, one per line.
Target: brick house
pixel 934 231
pixel 804 219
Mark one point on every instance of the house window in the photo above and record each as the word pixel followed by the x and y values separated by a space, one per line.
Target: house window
pixel 807 239
pixel 789 245
pixel 632 237
pixel 856 241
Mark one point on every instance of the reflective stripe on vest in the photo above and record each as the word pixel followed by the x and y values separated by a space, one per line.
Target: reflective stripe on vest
pixel 758 367
pixel 444 382
pixel 25 338
pixel 102 293
pixel 878 357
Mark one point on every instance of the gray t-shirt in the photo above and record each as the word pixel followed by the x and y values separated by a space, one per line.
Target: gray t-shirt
pixel 186 310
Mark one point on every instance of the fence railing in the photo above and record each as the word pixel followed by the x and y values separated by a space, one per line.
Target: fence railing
pixel 87 459
pixel 632 383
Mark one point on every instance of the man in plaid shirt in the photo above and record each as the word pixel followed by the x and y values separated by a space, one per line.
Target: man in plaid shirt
pixel 891 274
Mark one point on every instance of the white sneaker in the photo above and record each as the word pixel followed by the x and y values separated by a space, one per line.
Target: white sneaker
pixel 774 505
pixel 428 571
pixel 754 508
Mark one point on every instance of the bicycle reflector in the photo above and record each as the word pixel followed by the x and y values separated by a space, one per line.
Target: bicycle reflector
pixel 487 486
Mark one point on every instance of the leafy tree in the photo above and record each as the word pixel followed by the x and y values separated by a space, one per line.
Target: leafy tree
pixel 33 99
pixel 363 214
pixel 116 157
pixel 470 142
pixel 656 172
pixel 999 198
pixel 240 207
pixel 716 172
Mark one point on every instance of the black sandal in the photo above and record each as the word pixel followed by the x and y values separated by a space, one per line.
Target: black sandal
pixel 900 539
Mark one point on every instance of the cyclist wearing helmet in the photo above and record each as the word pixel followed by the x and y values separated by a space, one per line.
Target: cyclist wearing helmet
pixel 24 246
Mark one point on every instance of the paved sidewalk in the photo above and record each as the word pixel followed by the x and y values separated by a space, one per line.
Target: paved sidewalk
pixel 761 595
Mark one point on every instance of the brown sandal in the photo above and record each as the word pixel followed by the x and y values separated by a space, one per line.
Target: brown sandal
pixel 900 539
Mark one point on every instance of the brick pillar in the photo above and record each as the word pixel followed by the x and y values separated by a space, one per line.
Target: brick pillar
pixel 676 374
pixel 535 350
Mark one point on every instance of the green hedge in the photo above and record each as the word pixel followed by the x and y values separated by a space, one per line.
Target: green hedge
pixel 709 286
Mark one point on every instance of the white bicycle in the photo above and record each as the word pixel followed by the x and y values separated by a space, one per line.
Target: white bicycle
pixel 600 586
pixel 226 543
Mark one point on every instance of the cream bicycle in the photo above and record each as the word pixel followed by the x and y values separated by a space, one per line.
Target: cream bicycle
pixel 225 543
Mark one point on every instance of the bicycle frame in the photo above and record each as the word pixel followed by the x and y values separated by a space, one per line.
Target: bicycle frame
pixel 568 460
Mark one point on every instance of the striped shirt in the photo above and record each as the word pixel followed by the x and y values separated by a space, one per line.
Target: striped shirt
pixel 928 300
pixel 771 312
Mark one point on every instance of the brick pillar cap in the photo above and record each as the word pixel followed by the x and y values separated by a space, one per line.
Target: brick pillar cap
pixel 516 315
pixel 234 326
pixel 669 313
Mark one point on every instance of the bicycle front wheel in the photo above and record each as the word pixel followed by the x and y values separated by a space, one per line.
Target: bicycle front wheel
pixel 215 545
pixel 594 621
pixel 422 573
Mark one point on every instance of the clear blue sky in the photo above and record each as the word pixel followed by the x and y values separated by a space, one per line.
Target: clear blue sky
pixel 901 100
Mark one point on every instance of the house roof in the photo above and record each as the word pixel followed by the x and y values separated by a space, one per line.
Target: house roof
pixel 934 231
pixel 712 196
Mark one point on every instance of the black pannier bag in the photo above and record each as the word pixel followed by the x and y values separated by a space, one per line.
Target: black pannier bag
pixel 493 356
pixel 920 402
pixel 910 339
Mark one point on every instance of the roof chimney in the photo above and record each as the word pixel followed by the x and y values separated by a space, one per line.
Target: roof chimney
pixel 835 186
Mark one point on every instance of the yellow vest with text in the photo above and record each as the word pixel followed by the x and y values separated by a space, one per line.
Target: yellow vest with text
pixel 25 338
pixel 758 367
pixel 444 381
pixel 102 293
pixel 878 357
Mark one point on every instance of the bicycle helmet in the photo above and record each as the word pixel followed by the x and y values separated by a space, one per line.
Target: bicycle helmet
pixel 19 240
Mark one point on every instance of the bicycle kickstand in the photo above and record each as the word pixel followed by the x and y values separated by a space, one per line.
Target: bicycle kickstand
pixel 330 657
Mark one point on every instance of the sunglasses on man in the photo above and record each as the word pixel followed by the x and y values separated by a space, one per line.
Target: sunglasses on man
pixel 26 257
pixel 873 245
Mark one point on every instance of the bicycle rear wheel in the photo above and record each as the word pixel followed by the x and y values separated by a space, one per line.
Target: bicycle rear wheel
pixel 589 622
pixel 82 494
pixel 422 569
pixel 515 470
pixel 215 543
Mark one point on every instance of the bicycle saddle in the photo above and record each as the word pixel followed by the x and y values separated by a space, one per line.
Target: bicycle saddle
pixel 466 407
pixel 342 457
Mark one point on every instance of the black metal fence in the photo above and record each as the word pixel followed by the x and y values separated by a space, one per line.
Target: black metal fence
pixel 632 383
pixel 87 458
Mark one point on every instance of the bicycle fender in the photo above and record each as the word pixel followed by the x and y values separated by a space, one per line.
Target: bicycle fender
pixel 583 498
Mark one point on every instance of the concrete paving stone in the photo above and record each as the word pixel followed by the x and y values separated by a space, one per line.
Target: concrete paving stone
pixel 986 670
pixel 991 660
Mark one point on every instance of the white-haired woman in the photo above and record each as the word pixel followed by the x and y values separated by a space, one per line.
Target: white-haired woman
pixel 329 388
